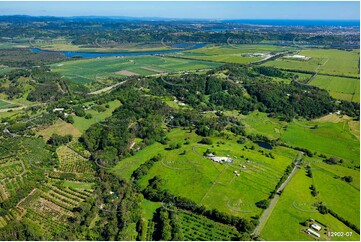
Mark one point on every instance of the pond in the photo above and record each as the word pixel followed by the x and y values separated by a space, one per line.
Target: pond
pixel 264 145
pixel 71 54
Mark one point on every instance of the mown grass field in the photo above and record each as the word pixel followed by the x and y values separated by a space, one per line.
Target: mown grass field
pixel 208 183
pixel 230 53
pixel 295 206
pixel 339 87
pixel 327 61
pixel 88 70
pixel 331 139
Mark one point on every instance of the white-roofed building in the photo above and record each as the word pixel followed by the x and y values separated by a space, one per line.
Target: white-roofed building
pixel 316 227
pixel 310 231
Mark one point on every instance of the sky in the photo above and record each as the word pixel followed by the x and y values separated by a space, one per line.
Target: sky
pixel 340 10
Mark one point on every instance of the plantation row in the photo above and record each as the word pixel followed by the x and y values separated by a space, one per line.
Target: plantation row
pixel 10 169
pixel 44 221
pixel 76 167
pixel 198 228
pixel 14 214
pixel 51 207
pixel 9 187
pixel 72 176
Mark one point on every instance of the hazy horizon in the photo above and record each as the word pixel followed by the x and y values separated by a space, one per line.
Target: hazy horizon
pixel 190 10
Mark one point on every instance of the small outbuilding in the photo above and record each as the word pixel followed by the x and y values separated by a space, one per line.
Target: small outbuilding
pixel 310 231
pixel 316 227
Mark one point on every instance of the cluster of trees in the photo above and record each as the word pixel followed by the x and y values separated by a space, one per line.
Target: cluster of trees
pixel 139 116
pixel 263 203
pixel 286 101
pixel 125 210
pixel 144 168
pixel 167 226
pixel 314 192
pixel 57 140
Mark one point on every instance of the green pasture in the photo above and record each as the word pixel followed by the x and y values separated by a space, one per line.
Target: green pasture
pixel 331 139
pixel 338 195
pixel 339 87
pixel 258 123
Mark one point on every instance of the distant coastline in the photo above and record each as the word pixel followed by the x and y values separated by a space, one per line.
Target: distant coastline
pixel 296 22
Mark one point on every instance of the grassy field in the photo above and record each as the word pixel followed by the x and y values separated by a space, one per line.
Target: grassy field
pixel 258 123
pixel 83 124
pixel 295 206
pixel 351 125
pixel 84 71
pixel 230 53
pixel 328 61
pixel 209 183
pixel 338 195
pixel 60 127
pixel 331 139
pixel 339 87
pixel 5 104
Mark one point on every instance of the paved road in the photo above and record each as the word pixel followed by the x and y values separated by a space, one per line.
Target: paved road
pixel 106 88
pixel 267 213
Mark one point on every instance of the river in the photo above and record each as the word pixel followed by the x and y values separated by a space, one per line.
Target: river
pixel 71 54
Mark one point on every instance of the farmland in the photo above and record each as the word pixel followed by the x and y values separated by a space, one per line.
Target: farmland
pixel 85 71
pixel 233 136
pixel 327 61
pixel 339 87
pixel 213 184
pixel 194 226
pixel 240 54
